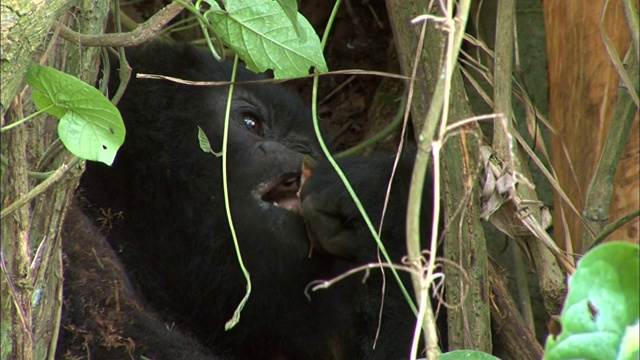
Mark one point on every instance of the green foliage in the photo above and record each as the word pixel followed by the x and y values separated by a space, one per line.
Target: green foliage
pixel 600 315
pixel 290 8
pixel 90 126
pixel 629 348
pixel 264 38
pixel 205 145
pixel 466 355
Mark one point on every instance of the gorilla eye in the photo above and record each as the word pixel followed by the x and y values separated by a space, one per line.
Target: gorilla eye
pixel 252 122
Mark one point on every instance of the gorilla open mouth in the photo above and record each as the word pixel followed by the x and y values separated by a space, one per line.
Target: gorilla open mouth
pixel 282 192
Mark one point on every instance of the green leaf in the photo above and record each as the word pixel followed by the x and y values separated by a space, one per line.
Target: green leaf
pixel 290 8
pixel 601 304
pixel 630 347
pixel 466 355
pixel 90 126
pixel 203 140
pixel 262 36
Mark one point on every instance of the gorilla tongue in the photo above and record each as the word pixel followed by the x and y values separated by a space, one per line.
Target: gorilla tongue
pixel 282 192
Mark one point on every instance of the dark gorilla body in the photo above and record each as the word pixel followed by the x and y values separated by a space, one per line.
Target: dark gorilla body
pixel 172 234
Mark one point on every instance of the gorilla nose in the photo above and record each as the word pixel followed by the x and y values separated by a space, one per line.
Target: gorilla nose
pixel 282 192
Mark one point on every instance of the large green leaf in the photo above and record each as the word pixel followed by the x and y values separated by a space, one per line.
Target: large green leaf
pixel 264 38
pixel 602 305
pixel 90 126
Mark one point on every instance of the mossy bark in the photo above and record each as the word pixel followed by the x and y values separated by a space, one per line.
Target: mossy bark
pixel 469 324
pixel 31 281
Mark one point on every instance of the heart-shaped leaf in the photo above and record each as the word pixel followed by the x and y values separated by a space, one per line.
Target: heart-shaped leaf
pixel 263 37
pixel 90 126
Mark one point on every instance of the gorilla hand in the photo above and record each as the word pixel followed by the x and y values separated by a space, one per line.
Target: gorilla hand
pixel 333 221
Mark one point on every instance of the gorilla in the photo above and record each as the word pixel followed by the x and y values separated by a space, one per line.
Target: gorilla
pixel 160 206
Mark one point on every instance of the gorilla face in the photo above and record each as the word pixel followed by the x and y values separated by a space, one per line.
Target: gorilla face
pixel 271 134
pixel 270 131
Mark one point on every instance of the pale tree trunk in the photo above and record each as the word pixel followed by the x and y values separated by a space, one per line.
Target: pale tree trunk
pixel 585 92
pixel 38 175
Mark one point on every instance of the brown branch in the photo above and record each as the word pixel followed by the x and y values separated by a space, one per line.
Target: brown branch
pixel 507 324
pixel 139 35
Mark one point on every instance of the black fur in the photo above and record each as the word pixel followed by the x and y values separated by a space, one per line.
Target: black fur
pixel 175 243
pixel 104 318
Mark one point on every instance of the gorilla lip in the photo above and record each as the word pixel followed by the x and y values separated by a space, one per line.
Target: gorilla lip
pixel 282 192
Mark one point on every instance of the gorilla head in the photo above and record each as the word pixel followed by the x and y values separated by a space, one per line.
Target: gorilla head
pixel 173 236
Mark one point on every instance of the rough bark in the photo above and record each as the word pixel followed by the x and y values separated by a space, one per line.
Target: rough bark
pixel 25 24
pixel 469 325
pixel 516 339
pixel 32 267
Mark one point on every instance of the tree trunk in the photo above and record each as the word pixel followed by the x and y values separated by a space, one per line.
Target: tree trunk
pixel 469 324
pixel 31 282
pixel 583 87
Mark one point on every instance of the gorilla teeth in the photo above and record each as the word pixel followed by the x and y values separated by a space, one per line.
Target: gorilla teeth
pixel 282 192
